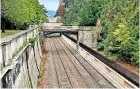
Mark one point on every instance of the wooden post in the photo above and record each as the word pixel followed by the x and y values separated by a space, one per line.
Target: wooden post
pixel 77 40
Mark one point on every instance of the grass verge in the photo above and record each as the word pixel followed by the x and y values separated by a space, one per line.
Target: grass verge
pixel 9 32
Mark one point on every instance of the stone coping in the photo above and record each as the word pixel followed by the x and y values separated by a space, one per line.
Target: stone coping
pixel 7 39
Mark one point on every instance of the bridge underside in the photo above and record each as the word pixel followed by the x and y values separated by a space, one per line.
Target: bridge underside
pixel 66 68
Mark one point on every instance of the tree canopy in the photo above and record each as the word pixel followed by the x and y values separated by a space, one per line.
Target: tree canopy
pixel 21 13
pixel 120 23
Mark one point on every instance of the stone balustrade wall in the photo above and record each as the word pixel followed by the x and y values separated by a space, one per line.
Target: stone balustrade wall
pixel 24 69
pixel 10 44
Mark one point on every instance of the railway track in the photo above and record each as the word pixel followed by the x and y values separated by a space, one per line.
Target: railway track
pixel 83 67
pixel 114 72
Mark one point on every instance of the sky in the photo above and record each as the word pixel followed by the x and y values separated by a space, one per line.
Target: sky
pixel 50 4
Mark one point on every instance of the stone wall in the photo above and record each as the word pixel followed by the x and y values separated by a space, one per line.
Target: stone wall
pixel 12 43
pixel 23 71
pixel 88 37
pixel 113 76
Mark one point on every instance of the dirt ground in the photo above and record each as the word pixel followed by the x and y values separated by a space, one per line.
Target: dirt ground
pixel 43 70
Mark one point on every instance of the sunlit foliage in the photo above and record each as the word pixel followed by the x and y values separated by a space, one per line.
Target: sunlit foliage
pixel 21 13
pixel 120 22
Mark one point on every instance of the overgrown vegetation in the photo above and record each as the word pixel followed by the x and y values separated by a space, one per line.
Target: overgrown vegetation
pixel 32 40
pixel 18 14
pixel 42 71
pixel 18 50
pixel 120 23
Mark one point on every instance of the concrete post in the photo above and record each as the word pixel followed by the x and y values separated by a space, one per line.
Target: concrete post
pixel 60 34
pixel 77 40
pixel 3 49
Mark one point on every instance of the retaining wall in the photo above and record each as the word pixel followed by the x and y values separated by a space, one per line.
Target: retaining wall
pixel 23 71
pixel 111 75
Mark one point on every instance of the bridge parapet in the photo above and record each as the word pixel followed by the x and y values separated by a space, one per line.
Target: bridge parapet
pixel 67 27
pixel 87 34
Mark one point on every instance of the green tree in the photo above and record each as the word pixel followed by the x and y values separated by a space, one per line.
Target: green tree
pixel 21 13
pixel 120 22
